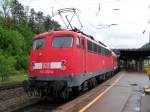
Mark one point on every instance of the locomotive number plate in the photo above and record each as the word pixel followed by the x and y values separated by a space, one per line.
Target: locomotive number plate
pixel 52 65
pixel 37 66
pixel 55 65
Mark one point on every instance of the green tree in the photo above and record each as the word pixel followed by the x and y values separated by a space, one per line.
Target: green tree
pixel 5 5
pixel 7 66
pixel 50 24
pixel 39 19
pixel 32 20
pixel 27 35
pixel 16 31
pixel 11 42
pixel 18 12
pixel 22 62
pixel 5 19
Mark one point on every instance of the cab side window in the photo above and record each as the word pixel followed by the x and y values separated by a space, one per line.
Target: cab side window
pixel 78 42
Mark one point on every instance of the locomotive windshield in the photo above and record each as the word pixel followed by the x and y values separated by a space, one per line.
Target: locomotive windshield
pixel 62 42
pixel 38 43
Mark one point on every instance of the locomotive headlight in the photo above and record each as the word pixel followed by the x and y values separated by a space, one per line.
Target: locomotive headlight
pixel 63 62
pixel 33 65
pixel 63 67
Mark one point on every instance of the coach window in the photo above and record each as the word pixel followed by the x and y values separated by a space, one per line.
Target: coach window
pixel 109 53
pixel 92 46
pixel 103 51
pixel 95 48
pixel 82 43
pixel 89 44
pixel 99 49
pixel 106 52
pixel 78 42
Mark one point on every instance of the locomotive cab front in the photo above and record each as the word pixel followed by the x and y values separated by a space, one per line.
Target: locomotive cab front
pixel 52 55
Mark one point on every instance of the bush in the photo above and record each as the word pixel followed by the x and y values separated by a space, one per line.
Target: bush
pixel 11 42
pixel 6 66
pixel 22 62
pixel 27 34
pixel 13 53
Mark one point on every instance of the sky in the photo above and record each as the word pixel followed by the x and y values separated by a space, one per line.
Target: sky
pixel 131 19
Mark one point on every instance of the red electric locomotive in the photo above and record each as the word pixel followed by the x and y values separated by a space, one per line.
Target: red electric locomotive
pixel 67 61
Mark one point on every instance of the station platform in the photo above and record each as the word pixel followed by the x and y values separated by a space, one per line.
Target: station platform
pixel 125 93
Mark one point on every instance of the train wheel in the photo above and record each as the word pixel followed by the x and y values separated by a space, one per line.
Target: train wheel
pixel 111 74
pixel 85 86
pixel 65 94
pixel 75 92
pixel 100 79
pixel 104 77
pixel 94 82
pixel 108 75
pixel 90 84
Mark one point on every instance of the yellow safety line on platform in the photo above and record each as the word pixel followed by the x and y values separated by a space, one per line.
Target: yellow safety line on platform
pixel 100 95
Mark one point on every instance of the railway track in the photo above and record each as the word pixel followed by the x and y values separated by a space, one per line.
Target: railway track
pixel 13 85
pixel 14 99
pixel 43 105
pixel 58 105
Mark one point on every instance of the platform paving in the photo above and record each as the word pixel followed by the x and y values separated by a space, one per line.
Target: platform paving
pixel 145 103
pixel 124 92
pixel 125 96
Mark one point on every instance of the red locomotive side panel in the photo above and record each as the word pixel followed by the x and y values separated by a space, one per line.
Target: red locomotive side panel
pixel 64 61
pixel 97 63
pixel 98 60
pixel 68 53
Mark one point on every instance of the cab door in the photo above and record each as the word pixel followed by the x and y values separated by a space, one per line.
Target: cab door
pixel 83 50
pixel 80 45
